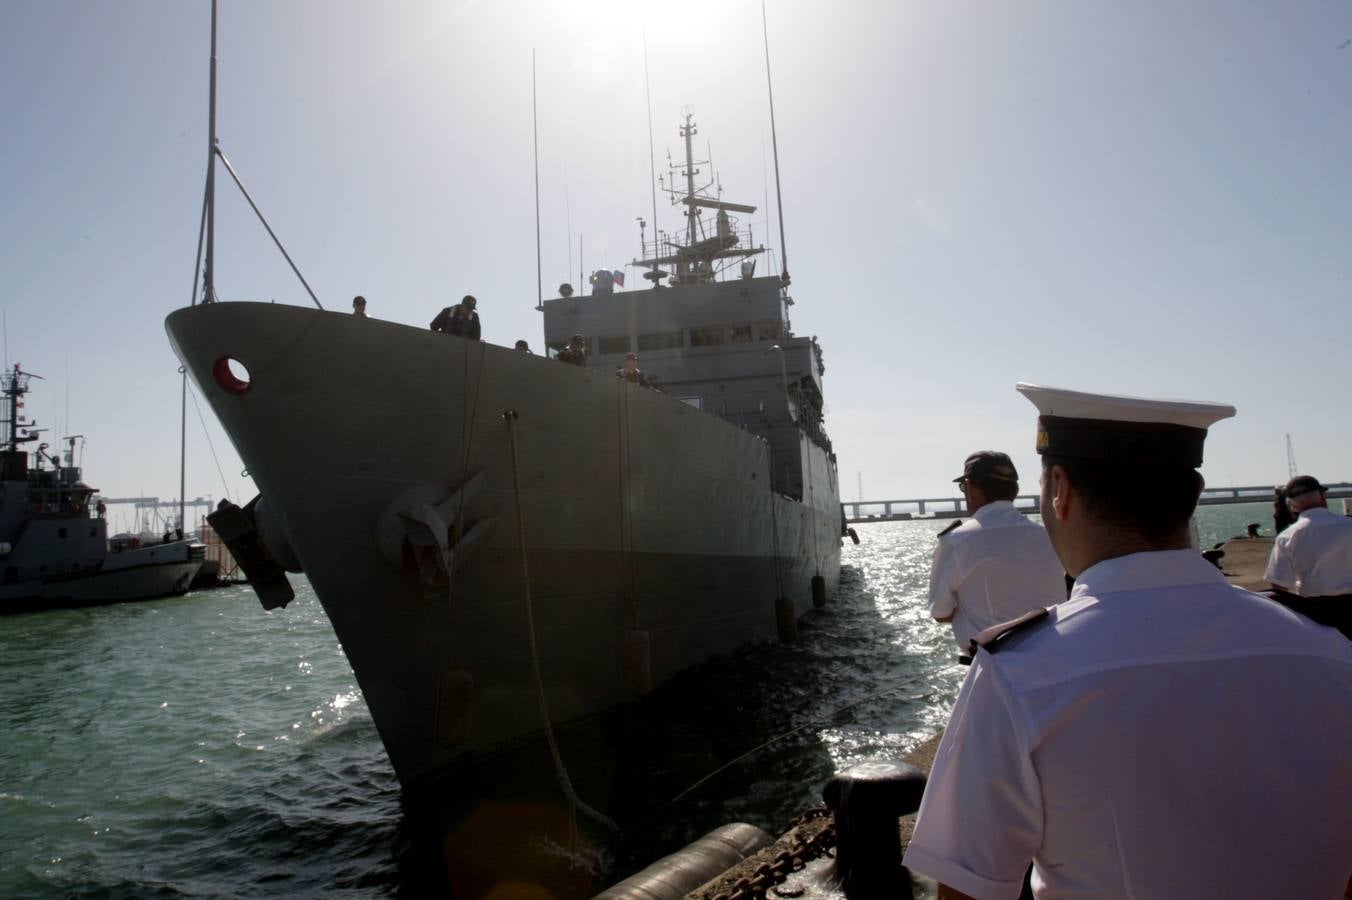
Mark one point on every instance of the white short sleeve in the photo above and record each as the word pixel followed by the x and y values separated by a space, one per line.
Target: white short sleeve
pixel 1279 569
pixel 981 818
pixel 943 592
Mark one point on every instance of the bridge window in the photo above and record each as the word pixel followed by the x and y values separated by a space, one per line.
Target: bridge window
pixel 741 334
pixel 665 340
pixel 771 330
pixel 613 344
pixel 707 337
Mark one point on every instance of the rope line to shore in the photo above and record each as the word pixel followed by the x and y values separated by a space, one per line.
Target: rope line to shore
pixel 816 723
pixel 565 783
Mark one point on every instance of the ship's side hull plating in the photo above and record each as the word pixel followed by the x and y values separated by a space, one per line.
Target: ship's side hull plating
pixel 652 537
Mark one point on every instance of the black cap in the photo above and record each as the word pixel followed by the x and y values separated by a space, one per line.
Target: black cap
pixel 988 465
pixel 469 300
pixel 1302 484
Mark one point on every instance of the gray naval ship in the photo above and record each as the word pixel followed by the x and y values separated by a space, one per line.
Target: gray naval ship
pixel 504 541
pixel 54 547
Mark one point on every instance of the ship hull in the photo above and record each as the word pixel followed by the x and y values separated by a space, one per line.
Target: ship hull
pixel 622 536
pixel 144 581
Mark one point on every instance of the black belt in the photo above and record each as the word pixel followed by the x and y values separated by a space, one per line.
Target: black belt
pixel 1333 610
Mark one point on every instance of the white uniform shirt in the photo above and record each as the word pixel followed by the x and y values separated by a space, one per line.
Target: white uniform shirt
pixel 993 568
pixel 1161 734
pixel 1313 557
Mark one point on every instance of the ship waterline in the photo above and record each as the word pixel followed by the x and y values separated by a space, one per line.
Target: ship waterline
pixel 654 535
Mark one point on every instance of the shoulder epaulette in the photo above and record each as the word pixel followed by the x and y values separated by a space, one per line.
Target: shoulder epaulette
pixel 955 524
pixel 993 638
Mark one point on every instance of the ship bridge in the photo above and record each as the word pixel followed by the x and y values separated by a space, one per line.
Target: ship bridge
pixel 717 337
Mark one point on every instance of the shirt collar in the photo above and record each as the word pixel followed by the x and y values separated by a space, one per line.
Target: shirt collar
pixel 1144 571
pixel 1315 512
pixel 996 509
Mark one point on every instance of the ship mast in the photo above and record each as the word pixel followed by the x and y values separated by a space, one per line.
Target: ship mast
pixel 688 131
pixel 695 259
pixel 15 385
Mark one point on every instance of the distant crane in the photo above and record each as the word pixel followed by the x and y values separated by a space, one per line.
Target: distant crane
pixel 148 516
pixel 861 486
pixel 1290 459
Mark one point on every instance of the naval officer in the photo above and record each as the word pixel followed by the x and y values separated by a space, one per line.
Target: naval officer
pixel 1159 734
pixel 997 565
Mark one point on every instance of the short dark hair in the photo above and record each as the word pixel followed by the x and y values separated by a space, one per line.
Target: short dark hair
pixel 1153 501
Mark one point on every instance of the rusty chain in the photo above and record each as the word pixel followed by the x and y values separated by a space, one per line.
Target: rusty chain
pixel 799 852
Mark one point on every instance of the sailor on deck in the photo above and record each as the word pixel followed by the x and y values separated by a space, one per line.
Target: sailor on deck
pixel 631 372
pixel 461 320
pixel 996 566
pixel 1312 559
pixel 1160 734
pixel 575 352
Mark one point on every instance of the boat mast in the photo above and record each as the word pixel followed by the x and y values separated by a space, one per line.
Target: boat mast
pixel 14 387
pixel 208 279
pixel 12 392
pixel 208 276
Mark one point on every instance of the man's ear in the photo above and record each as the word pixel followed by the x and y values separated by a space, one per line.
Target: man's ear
pixel 1062 493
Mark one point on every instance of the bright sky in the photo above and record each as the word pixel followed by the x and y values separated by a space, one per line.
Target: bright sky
pixel 1147 198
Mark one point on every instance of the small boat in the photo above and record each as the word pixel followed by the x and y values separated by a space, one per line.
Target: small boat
pixel 54 547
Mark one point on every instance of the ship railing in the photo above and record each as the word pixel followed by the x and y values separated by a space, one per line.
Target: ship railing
pixel 674 244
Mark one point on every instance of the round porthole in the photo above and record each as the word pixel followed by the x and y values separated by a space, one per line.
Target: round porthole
pixel 232 375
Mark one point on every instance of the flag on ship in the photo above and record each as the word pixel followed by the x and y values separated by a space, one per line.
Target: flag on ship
pixel 619 277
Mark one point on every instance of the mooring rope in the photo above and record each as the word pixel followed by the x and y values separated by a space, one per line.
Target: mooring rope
pixel 565 783
pixel 624 461
pixel 815 723
pixel 774 520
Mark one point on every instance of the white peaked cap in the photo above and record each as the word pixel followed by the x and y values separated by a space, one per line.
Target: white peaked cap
pixel 1118 428
pixel 1052 401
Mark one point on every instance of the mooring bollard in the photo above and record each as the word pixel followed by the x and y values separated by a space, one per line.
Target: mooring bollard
pixel 867 800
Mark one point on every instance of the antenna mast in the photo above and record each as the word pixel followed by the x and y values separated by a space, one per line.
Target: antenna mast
pixel 535 133
pixel 652 165
pixel 774 142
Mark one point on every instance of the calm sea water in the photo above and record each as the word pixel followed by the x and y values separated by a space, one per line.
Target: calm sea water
pixel 202 747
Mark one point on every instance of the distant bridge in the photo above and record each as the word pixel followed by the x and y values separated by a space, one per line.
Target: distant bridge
pixel 950 507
